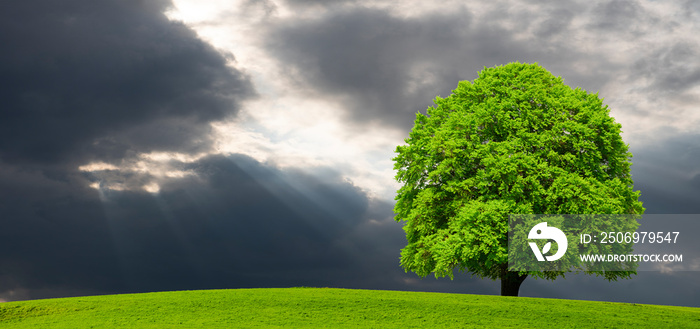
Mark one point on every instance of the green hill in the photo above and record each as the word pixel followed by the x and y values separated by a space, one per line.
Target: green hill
pixel 335 308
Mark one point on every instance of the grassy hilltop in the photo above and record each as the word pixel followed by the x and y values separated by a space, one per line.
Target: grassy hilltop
pixel 335 308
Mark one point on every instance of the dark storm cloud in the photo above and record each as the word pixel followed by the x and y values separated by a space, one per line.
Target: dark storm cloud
pixel 81 79
pixel 382 67
pixel 666 174
pixel 53 236
pixel 237 223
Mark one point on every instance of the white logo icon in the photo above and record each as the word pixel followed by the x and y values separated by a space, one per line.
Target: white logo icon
pixel 541 231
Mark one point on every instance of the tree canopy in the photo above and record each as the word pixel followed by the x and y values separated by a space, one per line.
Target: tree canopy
pixel 516 140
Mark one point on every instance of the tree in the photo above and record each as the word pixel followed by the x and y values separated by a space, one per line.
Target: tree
pixel 516 140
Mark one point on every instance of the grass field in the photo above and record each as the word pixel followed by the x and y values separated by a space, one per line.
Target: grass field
pixel 335 308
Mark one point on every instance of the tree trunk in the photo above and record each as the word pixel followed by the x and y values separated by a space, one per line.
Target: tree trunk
pixel 510 282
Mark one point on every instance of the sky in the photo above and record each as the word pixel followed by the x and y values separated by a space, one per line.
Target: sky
pixel 170 145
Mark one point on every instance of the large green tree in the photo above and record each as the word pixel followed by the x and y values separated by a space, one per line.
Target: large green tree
pixel 516 140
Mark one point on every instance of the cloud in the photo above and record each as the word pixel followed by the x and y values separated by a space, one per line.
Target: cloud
pixel 86 79
pixel 235 223
pixel 557 22
pixel 617 15
pixel 665 172
pixel 369 60
pixel 317 2
pixel 384 61
pixel 672 69
pixel 385 67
